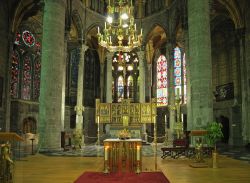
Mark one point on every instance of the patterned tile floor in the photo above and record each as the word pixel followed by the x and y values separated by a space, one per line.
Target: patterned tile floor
pixel 239 153
pixel 94 150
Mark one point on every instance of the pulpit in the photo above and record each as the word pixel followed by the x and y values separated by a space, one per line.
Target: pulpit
pixel 122 155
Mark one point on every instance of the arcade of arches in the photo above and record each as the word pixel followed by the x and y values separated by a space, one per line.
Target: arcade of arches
pixel 52 69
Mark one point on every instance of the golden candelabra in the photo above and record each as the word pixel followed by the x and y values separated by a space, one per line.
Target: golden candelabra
pixel 120 33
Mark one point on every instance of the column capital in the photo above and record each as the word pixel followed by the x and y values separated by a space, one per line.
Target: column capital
pixel 79 109
pixel 84 47
pixel 109 55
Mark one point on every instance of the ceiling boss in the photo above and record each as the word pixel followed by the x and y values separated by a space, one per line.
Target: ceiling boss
pixel 120 32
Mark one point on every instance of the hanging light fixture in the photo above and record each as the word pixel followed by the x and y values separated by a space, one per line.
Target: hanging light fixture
pixel 120 33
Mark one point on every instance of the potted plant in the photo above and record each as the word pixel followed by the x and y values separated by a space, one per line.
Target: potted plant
pixel 214 133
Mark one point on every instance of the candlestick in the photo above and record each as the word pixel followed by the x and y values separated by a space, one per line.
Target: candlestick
pixel 165 118
pixel 98 30
pixel 106 153
pixel 138 153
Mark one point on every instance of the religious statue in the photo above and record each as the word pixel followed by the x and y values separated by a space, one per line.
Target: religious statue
pixel 5 152
pixel 198 151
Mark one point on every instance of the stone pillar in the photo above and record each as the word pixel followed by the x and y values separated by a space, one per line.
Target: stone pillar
pixel 102 81
pixel 79 108
pixel 201 101
pixel 66 38
pixel 141 5
pixel 245 79
pixel 109 84
pixel 109 78
pixel 154 74
pixel 52 72
pixel 6 92
pixel 171 98
pixel 141 56
pixel 149 81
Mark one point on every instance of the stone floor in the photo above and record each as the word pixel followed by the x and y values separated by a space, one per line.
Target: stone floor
pixel 239 153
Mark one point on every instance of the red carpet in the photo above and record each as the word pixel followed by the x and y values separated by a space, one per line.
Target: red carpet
pixel 144 177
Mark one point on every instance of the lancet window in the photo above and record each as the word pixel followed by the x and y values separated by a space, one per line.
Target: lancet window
pixel 25 65
pixel 125 76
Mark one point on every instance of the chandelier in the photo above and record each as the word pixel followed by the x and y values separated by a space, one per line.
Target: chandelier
pixel 120 33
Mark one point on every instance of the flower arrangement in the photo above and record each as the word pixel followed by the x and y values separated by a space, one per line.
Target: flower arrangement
pixel 124 134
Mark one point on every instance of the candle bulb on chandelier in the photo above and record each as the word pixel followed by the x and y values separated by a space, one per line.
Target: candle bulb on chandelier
pixel 98 30
pixel 141 31
pixel 135 27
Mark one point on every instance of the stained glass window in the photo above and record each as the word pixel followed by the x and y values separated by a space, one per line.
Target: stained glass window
pixel 26 79
pixel 17 40
pixel 36 79
pixel 28 38
pixel 130 87
pixel 125 73
pixel 162 81
pixel 25 66
pixel 177 71
pixel 184 78
pixel 74 60
pixel 120 88
pixel 14 74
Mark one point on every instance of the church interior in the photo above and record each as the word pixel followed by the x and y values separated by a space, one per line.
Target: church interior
pixel 152 91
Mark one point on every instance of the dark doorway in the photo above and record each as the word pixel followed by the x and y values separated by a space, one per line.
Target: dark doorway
pixel 225 128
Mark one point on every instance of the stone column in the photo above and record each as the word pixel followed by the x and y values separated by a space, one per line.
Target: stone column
pixel 79 108
pixel 149 81
pixel 109 84
pixel 52 72
pixel 171 92
pixel 141 5
pixel 154 73
pixel 245 79
pixel 66 38
pixel 141 56
pixel 102 81
pixel 6 92
pixel 201 101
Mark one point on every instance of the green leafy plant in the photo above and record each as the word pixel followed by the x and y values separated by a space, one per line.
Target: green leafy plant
pixel 214 133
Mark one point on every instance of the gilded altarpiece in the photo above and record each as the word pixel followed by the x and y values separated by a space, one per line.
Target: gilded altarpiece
pixel 126 113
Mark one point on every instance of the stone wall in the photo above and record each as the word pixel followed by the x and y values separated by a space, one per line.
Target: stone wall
pixel 3 61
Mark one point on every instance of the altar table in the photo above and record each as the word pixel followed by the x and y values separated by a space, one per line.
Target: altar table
pixel 123 155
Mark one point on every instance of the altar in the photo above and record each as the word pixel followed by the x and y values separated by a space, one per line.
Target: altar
pixel 122 155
